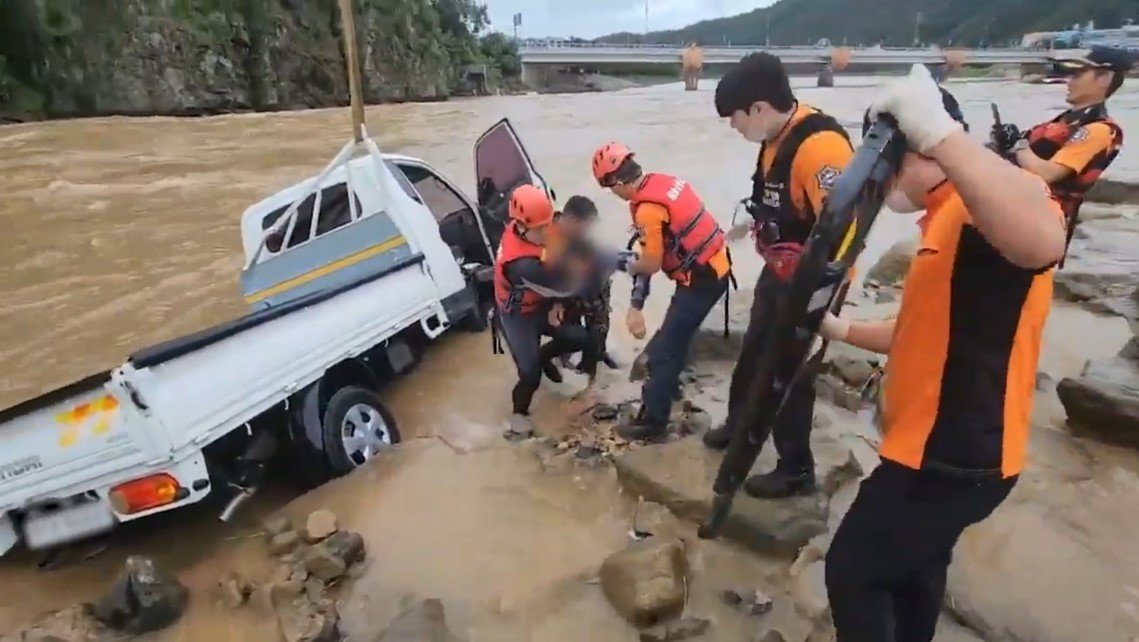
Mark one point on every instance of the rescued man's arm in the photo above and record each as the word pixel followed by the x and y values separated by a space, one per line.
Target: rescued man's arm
pixel 533 270
pixel 1072 158
pixel 818 164
pixel 640 291
pixel 1012 209
pixel 650 219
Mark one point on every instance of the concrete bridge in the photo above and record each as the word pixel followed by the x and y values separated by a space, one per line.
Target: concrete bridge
pixel 540 57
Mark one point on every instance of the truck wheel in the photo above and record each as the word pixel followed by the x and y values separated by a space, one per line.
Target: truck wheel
pixel 356 427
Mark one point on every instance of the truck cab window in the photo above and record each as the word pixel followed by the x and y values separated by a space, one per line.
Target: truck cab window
pixel 335 212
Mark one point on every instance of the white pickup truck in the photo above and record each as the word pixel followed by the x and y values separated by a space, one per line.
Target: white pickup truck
pixel 348 275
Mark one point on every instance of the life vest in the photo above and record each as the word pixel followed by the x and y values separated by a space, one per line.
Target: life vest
pixel 692 236
pixel 512 298
pixel 780 229
pixel 1046 139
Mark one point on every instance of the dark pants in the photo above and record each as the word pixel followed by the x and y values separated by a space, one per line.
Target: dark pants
pixel 523 334
pixel 792 432
pixel 594 314
pixel 885 570
pixel 668 349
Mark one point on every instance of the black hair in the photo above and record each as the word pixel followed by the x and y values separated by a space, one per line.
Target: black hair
pixel 580 207
pixel 627 172
pixel 1116 82
pixel 757 77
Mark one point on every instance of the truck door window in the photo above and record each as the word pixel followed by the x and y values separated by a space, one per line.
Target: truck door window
pixel 437 195
pixel 335 212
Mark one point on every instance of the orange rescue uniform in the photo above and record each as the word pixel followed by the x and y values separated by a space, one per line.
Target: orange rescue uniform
pixel 962 368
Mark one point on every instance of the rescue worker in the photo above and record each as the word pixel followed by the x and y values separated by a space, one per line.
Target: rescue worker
pixel 1071 151
pixel 681 238
pixel 802 152
pixel 962 363
pixel 524 314
pixel 591 307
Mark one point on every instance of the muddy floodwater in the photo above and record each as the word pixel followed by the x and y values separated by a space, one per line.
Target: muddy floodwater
pixel 121 233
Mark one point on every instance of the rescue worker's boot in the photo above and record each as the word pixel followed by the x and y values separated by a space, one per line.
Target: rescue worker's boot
pixel 718 438
pixel 520 428
pixel 781 483
pixel 547 356
pixel 642 428
pixel 609 361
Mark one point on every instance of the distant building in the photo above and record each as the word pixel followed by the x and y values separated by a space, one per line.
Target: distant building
pixel 1126 37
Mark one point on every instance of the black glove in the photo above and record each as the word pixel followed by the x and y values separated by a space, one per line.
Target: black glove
pixel 625 259
pixel 1004 137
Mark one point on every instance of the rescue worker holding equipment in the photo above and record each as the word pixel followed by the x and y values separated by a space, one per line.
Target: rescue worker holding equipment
pixel 1072 150
pixel 962 363
pixel 802 153
pixel 679 237
pixel 523 313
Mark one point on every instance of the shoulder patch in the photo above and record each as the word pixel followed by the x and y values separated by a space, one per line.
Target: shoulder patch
pixel 827 176
pixel 1080 136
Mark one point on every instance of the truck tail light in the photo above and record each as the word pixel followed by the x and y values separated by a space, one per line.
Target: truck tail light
pixel 145 493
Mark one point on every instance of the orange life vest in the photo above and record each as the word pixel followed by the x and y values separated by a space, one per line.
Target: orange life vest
pixel 513 298
pixel 692 236
pixel 1048 138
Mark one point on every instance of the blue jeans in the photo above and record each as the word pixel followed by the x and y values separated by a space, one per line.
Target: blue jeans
pixel 668 349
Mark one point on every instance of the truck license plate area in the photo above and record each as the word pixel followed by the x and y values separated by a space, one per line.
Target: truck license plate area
pixel 44 529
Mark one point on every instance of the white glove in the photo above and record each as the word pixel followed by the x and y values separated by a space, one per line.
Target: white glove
pixel 833 328
pixel 915 102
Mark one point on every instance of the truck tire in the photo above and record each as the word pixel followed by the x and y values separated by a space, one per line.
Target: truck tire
pixel 356 427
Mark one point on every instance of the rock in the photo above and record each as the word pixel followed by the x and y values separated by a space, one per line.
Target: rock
pixel 852 365
pixel 286 584
pixel 695 422
pixel 306 623
pixel 425 622
pixel 652 518
pixel 753 603
pixel 314 589
pixel 833 389
pixel 809 592
pixel 895 262
pixel 1100 291
pixel 687 628
pixel 347 546
pixel 1104 400
pixel 645 583
pixel 277 525
pixel 771 635
pixel 68 625
pixel 232 591
pixel 324 565
pixel 679 475
pixel 605 412
pixel 320 524
pixel 1107 190
pixel 141 600
pixel 284 543
pixel 847 471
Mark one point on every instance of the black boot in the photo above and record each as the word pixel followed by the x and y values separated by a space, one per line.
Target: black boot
pixel 642 428
pixel 550 369
pixel 780 483
pixel 609 361
pixel 718 438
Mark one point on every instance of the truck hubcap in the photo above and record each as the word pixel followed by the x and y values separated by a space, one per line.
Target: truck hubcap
pixel 364 433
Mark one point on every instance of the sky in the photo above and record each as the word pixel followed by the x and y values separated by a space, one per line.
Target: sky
pixel 592 18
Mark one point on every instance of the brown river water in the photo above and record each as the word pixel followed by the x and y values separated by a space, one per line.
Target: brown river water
pixel 121 233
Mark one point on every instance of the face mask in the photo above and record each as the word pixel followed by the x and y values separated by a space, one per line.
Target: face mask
pixel 755 128
pixel 898 202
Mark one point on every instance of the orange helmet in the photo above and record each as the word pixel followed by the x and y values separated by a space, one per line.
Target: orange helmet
pixel 530 207
pixel 608 158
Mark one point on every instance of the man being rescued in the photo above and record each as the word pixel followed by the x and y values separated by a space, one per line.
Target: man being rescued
pixel 682 239
pixel 961 371
pixel 523 312
pixel 802 153
pixel 1072 150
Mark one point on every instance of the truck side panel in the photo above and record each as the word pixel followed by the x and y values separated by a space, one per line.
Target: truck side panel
pixel 201 395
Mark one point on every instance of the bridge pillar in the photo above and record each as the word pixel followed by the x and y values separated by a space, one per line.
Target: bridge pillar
pixel 939 71
pixel 535 76
pixel 826 76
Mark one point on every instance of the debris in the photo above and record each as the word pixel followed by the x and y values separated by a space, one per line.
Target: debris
pixel 646 582
pixel 320 524
pixel 684 629
pixel 141 600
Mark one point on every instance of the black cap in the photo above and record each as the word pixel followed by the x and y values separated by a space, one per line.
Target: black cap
pixel 952 107
pixel 1101 57
pixel 756 77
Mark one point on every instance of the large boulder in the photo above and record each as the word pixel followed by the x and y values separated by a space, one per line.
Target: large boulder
pixel 646 582
pixel 424 622
pixel 141 600
pixel 1101 271
pixel 1104 400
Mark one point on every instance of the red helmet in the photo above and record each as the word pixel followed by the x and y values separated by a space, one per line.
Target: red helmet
pixel 608 158
pixel 530 207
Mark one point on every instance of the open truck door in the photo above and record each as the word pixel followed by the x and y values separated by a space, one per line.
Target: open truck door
pixel 502 164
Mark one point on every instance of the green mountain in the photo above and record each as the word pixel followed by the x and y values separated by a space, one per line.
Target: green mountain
pixel 894 22
pixel 92 57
